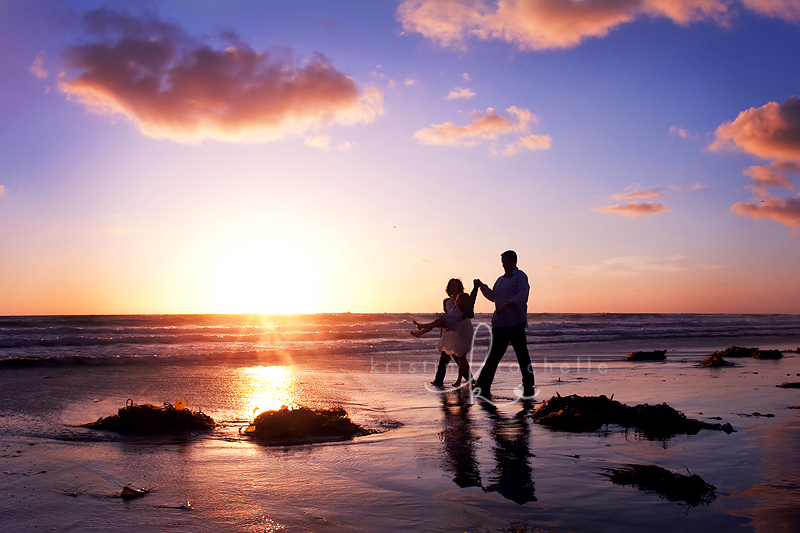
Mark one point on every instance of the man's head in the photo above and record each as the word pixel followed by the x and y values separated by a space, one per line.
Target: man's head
pixel 509 260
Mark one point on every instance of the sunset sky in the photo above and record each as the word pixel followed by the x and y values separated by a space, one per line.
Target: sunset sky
pixel 202 156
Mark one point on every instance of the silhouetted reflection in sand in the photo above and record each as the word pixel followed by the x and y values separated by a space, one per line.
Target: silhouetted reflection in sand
pixel 513 475
pixel 459 439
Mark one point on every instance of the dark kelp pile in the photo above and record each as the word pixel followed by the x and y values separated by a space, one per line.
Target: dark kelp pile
pixel 148 419
pixel 590 413
pixel 789 385
pixel 655 355
pixel 691 489
pixel 738 351
pixel 715 360
pixel 302 425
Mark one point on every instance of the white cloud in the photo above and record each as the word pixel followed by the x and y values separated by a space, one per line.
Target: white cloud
pixel 318 141
pixel 457 93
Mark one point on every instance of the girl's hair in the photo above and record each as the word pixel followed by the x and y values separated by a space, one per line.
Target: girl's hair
pixel 456 284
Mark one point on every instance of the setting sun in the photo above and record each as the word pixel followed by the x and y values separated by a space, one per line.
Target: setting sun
pixel 268 279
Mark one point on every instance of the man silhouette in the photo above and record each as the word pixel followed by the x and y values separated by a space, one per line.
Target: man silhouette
pixel 510 318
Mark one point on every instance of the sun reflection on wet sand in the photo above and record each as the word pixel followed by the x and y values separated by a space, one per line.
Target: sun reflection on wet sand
pixel 266 388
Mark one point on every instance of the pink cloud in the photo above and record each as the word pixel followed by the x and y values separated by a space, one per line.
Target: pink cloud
pixel 770 132
pixel 655 192
pixel 782 9
pixel 785 211
pixel 543 24
pixel 634 209
pixel 177 87
pixel 459 93
pixel 37 68
pixel 530 142
pixel 489 125
pixel 769 176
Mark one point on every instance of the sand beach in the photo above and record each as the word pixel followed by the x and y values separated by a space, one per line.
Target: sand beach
pixel 438 461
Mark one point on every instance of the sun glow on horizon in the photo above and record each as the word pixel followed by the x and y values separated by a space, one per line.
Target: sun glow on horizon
pixel 275 279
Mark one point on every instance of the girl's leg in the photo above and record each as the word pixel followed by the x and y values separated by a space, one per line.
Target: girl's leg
pixel 422 331
pixel 463 368
pixel 458 362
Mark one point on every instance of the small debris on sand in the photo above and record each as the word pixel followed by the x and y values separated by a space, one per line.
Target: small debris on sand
pixel 655 355
pixel 715 360
pixel 756 415
pixel 302 425
pixel 129 493
pixel 738 351
pixel 691 489
pixel 789 385
pixel 147 419
pixel 590 413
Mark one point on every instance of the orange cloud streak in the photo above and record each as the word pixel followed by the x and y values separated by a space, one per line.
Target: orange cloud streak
pixel 173 86
pixel 543 24
pixel 655 192
pixel 782 9
pixel 787 211
pixel 489 125
pixel 634 209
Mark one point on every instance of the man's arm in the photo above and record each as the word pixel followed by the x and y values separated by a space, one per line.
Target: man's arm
pixel 485 290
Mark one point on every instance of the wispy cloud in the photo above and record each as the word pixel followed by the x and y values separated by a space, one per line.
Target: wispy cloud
pixel 2 189
pixel 177 87
pixel 531 142
pixel 679 132
pixel 318 141
pixel 629 266
pixel 547 24
pixel 785 211
pixel 782 9
pixel 634 209
pixel 409 81
pixel 488 126
pixel 37 68
pixel 466 77
pixel 116 230
pixel 458 93
pixel 696 187
pixel 654 192
pixel 769 176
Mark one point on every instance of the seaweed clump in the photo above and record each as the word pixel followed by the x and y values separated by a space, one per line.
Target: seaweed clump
pixel 789 385
pixel 590 413
pixel 304 425
pixel 655 355
pixel 147 419
pixel 691 489
pixel 757 353
pixel 715 360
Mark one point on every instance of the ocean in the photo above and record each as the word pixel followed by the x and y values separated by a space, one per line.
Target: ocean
pixel 439 459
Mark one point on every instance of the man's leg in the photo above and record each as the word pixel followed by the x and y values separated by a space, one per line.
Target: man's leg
pixel 520 344
pixel 441 370
pixel 499 344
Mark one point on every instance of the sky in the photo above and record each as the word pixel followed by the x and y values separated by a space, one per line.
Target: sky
pixel 197 156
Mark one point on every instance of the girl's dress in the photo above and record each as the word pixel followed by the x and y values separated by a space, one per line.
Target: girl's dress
pixel 457 338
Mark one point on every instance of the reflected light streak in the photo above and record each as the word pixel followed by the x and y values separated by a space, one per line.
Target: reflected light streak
pixel 267 388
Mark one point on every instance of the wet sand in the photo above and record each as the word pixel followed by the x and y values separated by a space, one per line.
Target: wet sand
pixel 441 463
